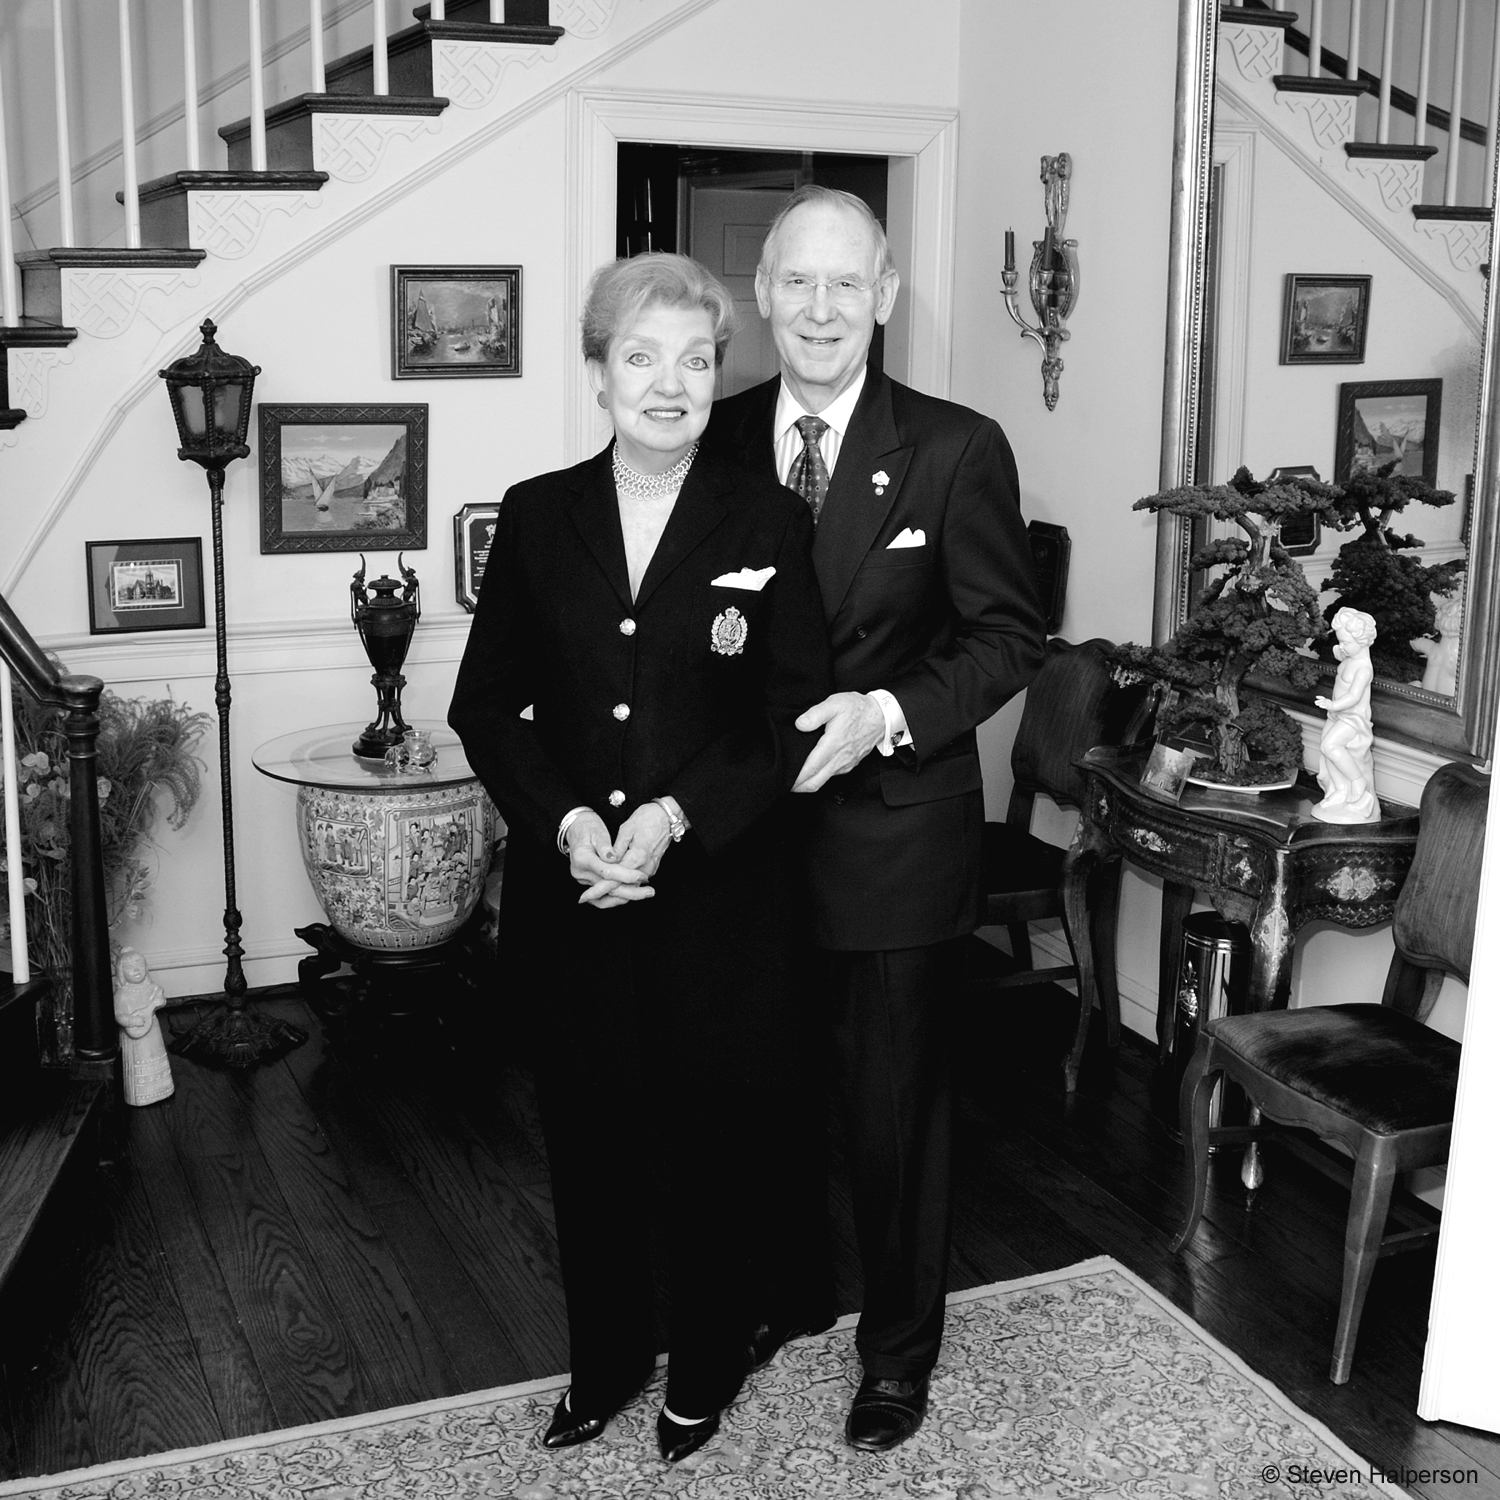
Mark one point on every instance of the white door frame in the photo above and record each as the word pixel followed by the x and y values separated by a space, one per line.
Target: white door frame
pixel 923 145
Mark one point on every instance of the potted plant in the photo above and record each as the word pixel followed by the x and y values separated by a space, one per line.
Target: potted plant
pixel 145 748
pixel 1257 613
pixel 1372 574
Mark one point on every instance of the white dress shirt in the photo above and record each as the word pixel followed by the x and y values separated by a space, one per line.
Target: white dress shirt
pixel 788 445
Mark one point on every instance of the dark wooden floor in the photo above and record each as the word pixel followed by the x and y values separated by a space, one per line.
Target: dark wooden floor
pixel 332 1234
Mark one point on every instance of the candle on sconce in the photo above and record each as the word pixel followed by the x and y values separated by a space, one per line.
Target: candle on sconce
pixel 1010 249
pixel 1047 249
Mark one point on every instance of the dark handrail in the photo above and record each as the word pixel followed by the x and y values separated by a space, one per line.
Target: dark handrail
pixel 95 1039
pixel 1298 41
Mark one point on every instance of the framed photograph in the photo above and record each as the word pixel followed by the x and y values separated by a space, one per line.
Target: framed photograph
pixel 145 585
pixel 473 532
pixel 1388 421
pixel 1167 771
pixel 1300 535
pixel 455 322
pixel 1324 320
pixel 343 478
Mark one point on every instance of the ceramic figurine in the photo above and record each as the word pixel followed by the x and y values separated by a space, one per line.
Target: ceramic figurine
pixel 1440 675
pixel 1346 752
pixel 143 1051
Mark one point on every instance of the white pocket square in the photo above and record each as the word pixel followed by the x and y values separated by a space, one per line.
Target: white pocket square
pixel 908 538
pixel 753 579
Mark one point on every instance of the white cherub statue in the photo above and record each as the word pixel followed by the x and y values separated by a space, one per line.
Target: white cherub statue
pixel 143 1052
pixel 1440 675
pixel 1346 752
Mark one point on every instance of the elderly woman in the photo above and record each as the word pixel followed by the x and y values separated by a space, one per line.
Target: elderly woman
pixel 659 615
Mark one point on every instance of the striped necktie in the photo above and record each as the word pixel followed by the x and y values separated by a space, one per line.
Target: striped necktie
pixel 809 476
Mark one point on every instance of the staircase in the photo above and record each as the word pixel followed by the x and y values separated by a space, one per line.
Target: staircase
pixel 1343 119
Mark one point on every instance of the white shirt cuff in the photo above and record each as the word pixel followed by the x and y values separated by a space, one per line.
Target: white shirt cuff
pixel 896 732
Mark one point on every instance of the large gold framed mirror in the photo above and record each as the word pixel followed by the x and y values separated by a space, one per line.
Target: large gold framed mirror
pixel 1283 171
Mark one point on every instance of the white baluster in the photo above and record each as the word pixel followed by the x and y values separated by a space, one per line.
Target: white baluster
pixel 190 82
pixel 257 92
pixel 439 11
pixel 20 965
pixel 1493 119
pixel 1387 63
pixel 382 83
pixel 127 133
pixel 497 11
pixel 1456 119
pixel 1352 71
pixel 317 76
pixel 1424 74
pixel 1315 40
pixel 64 152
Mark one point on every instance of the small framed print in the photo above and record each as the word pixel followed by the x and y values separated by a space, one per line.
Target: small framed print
pixel 1324 320
pixel 1383 422
pixel 1300 535
pixel 343 478
pixel 1167 771
pixel 473 534
pixel 455 322
pixel 145 585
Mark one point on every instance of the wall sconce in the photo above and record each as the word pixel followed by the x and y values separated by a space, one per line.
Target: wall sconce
pixel 210 392
pixel 1053 279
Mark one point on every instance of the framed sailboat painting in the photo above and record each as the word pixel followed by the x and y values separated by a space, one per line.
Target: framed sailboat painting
pixel 455 322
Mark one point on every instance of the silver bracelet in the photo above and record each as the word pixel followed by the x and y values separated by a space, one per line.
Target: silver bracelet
pixel 676 822
pixel 569 819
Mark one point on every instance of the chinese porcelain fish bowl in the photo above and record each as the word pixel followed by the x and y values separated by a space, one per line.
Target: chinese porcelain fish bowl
pixel 403 867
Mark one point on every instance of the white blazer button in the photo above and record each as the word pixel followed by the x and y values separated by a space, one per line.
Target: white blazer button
pixel 627 627
pixel 621 711
pixel 616 799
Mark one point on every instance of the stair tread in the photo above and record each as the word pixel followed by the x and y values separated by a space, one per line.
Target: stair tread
pixel 1300 83
pixel 228 182
pixel 410 37
pixel 31 334
pixel 1248 15
pixel 1466 212
pixel 341 104
pixel 33 1153
pixel 146 258
pixel 1389 151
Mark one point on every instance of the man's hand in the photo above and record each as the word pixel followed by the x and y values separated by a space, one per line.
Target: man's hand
pixel 852 726
pixel 592 863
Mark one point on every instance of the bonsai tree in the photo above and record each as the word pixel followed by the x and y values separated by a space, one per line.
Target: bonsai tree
pixel 1371 574
pixel 1258 613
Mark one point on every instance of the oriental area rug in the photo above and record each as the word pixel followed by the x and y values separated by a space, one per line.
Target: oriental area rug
pixel 1078 1383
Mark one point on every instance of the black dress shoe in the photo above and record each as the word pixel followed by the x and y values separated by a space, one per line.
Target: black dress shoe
pixel 568 1428
pixel 768 1338
pixel 885 1412
pixel 678 1439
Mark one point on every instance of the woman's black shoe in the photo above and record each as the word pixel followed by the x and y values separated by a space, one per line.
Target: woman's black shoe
pixel 568 1427
pixel 678 1439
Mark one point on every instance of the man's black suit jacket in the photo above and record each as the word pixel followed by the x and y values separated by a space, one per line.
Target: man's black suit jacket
pixel 951 627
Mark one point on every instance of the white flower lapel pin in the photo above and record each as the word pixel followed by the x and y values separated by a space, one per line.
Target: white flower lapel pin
pixel 880 479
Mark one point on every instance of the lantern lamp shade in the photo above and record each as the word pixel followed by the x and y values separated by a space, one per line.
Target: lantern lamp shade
pixel 210 393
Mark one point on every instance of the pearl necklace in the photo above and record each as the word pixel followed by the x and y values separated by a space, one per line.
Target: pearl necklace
pixel 640 486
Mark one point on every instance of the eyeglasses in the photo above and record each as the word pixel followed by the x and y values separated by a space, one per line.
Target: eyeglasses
pixel 843 290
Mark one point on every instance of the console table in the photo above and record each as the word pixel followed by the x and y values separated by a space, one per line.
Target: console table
pixel 1263 860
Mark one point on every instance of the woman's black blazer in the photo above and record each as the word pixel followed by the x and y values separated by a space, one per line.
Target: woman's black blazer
pixel 689 690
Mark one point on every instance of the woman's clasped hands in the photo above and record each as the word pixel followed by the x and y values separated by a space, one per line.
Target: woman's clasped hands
pixel 619 870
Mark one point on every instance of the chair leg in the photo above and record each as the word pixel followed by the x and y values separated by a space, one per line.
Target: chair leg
pixel 1193 1100
pixel 1104 912
pixel 1020 945
pixel 1369 1203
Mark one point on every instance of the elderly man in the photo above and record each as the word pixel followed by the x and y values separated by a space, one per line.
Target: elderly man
pixel 925 572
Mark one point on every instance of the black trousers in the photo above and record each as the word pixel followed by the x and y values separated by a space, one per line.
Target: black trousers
pixel 892 1071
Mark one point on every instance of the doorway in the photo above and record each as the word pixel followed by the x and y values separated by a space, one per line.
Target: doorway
pixel 716 206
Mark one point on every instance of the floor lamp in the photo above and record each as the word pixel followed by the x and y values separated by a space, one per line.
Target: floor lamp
pixel 210 393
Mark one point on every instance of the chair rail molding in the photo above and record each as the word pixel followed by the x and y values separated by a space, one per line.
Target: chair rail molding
pixel 923 143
